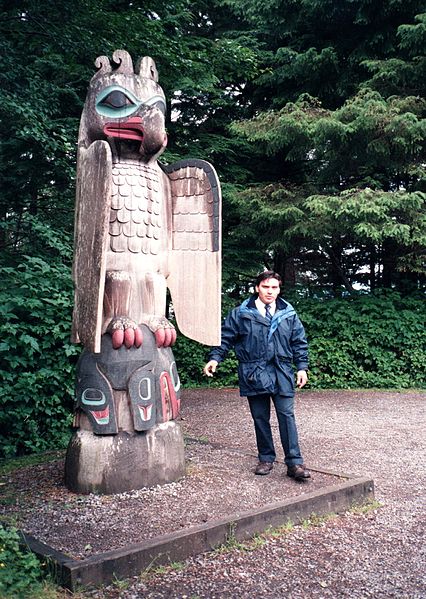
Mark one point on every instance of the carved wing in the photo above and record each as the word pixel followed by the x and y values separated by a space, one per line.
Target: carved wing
pixel 90 241
pixel 195 256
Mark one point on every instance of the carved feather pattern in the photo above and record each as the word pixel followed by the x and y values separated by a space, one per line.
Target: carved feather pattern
pixel 195 211
pixel 135 219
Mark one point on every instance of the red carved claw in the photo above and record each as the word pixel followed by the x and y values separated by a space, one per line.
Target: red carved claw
pixel 124 331
pixel 164 331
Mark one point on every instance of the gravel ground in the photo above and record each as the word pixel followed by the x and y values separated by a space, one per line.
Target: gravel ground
pixel 219 482
pixel 380 553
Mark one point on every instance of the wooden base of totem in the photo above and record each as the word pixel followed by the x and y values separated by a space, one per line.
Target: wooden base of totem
pixel 124 462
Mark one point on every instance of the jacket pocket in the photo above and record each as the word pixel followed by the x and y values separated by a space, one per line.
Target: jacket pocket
pixel 286 380
pixel 254 377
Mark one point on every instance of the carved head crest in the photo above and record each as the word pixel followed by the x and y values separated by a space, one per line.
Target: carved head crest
pixel 122 63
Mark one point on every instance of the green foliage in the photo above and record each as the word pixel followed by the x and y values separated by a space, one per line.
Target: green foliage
pixel 366 341
pixel 322 173
pixel 22 575
pixel 10 464
pixel 20 571
pixel 191 358
pixel 355 342
pixel 36 357
pixel 339 108
pixel 360 200
pixel 325 97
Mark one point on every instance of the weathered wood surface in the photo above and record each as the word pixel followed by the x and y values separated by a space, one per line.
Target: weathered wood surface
pixel 138 221
pixel 195 258
pixel 91 236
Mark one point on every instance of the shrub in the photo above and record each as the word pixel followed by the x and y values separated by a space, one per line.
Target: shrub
pixel 190 359
pixel 362 341
pixel 20 570
pixel 366 341
pixel 36 357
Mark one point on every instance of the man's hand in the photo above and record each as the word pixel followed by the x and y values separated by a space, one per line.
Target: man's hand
pixel 210 368
pixel 302 378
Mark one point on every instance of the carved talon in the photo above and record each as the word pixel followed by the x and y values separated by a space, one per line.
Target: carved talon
pixel 164 331
pixel 124 331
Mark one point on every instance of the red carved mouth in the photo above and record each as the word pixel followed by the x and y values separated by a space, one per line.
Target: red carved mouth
pixel 145 412
pixel 130 129
pixel 101 415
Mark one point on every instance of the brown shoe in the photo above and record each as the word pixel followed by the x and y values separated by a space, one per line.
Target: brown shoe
pixel 298 472
pixel 264 467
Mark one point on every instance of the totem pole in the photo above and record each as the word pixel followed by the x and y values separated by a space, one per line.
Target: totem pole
pixel 140 227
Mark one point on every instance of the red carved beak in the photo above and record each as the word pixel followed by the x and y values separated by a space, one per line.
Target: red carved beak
pixel 130 129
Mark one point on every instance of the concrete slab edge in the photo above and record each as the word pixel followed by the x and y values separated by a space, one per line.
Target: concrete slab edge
pixel 132 560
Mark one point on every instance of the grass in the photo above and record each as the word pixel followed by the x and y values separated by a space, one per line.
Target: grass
pixel 46 590
pixel 8 497
pixel 152 570
pixel 279 531
pixel 11 464
pixel 260 539
pixel 257 541
pixel 370 505
pixel 315 520
pixel 202 439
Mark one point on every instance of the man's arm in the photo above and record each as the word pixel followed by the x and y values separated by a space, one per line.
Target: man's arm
pixel 302 378
pixel 299 345
pixel 229 335
pixel 210 368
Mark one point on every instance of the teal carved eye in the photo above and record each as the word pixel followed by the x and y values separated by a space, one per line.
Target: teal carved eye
pixel 92 397
pixel 158 102
pixel 116 102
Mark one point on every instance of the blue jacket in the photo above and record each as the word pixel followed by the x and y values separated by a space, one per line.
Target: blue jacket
pixel 265 350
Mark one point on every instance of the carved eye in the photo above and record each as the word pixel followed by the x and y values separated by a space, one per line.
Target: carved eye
pixel 161 106
pixel 116 100
pixel 158 102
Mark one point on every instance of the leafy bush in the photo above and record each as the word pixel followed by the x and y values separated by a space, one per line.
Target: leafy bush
pixel 362 341
pixel 192 356
pixel 366 341
pixel 36 357
pixel 190 359
pixel 20 570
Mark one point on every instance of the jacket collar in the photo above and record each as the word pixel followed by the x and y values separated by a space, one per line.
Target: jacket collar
pixel 280 304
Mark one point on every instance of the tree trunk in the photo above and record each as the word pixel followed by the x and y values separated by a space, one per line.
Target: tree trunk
pixel 389 264
pixel 284 265
pixel 339 275
pixel 373 261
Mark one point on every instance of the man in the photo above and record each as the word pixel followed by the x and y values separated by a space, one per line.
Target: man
pixel 268 338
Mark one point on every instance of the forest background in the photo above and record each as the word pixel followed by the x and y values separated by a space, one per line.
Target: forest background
pixel 311 111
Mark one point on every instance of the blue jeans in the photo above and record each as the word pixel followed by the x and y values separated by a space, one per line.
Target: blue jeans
pixel 260 408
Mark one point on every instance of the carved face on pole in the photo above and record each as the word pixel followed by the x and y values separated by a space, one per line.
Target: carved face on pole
pixel 126 107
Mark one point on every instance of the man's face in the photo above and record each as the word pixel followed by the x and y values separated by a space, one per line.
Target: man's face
pixel 268 290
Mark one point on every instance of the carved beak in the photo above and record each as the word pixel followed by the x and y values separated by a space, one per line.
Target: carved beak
pixel 130 129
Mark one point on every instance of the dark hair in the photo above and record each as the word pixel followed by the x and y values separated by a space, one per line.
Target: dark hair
pixel 267 274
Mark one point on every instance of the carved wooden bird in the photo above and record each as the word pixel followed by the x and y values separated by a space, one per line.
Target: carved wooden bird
pixel 141 226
